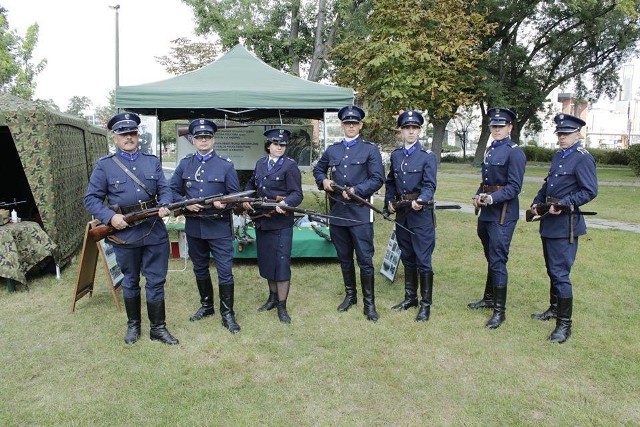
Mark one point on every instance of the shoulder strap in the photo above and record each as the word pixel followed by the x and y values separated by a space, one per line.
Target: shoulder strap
pixel 132 176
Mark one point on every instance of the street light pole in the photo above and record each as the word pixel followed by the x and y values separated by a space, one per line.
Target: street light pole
pixel 116 8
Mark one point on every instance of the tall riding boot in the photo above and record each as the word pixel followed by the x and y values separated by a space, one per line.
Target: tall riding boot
pixel 271 302
pixel 487 298
pixel 205 288
pixel 351 297
pixel 282 312
pixel 552 311
pixel 226 308
pixel 426 293
pixel 159 332
pixel 132 306
pixel 499 307
pixel 368 297
pixel 562 332
pixel 410 290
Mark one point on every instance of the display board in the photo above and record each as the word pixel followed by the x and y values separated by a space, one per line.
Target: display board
pixel 391 258
pixel 91 251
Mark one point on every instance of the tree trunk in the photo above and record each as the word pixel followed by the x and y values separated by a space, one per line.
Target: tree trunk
pixel 293 37
pixel 317 60
pixel 439 129
pixel 482 141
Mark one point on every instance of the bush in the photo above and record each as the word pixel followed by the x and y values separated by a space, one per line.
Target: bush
pixel 538 154
pixel 609 157
pixel 633 156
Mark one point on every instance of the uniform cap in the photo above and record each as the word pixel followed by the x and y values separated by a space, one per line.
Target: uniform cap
pixel 351 114
pixel 124 123
pixel 280 136
pixel 202 127
pixel 500 116
pixel 566 123
pixel 410 118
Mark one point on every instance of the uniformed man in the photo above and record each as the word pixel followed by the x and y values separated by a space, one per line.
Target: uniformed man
pixel 130 180
pixel 356 164
pixel 276 177
pixel 572 182
pixel 208 228
pixel 497 198
pixel 412 176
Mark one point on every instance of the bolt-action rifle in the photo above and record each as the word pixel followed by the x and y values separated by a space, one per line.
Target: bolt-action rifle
pixel 271 205
pixel 430 204
pixel 101 231
pixel 543 209
pixel 366 203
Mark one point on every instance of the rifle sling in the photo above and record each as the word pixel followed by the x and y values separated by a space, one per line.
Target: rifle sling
pixel 132 176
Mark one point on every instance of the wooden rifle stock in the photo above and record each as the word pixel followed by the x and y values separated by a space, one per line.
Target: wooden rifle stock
pixel 104 230
pixel 543 209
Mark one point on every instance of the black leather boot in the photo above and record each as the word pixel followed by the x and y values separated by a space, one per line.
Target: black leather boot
pixel 426 293
pixel 368 298
pixel 282 312
pixel 410 290
pixel 487 298
pixel 552 311
pixel 562 332
pixel 132 306
pixel 499 307
pixel 271 302
pixel 226 308
pixel 351 297
pixel 159 332
pixel 205 288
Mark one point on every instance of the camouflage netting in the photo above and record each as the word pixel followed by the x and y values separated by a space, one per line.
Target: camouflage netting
pixel 57 152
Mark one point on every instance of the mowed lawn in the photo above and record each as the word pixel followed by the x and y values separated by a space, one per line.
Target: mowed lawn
pixel 338 369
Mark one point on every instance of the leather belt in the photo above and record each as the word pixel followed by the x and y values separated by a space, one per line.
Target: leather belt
pixel 491 188
pixel 410 196
pixel 149 204
pixel 551 200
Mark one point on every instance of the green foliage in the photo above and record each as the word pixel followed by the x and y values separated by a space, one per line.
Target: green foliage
pixel 77 104
pixel 419 56
pixel 610 157
pixel 17 71
pixel 451 149
pixel 188 56
pixel 105 112
pixel 633 154
pixel 538 154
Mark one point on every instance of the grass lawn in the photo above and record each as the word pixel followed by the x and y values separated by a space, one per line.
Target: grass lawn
pixel 329 368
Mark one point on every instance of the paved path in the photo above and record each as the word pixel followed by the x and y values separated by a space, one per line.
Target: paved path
pixel 591 221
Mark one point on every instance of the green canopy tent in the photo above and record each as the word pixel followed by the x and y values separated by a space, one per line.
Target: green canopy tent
pixel 238 86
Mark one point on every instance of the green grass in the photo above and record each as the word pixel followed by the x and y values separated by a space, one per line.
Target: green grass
pixel 330 368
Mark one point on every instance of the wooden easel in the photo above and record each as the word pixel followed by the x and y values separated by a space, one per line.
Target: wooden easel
pixel 87 269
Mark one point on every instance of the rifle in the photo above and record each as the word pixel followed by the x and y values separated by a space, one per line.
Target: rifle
pixel 366 203
pixel 430 204
pixel 543 210
pixel 101 231
pixel 272 205
pixel 14 203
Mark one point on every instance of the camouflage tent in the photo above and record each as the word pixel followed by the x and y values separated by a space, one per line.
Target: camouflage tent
pixel 46 160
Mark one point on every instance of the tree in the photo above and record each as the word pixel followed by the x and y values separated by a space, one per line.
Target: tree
pixel 17 71
pixel 77 104
pixel 105 112
pixel 286 34
pixel 187 56
pixel 543 45
pixel 419 56
pixel 463 121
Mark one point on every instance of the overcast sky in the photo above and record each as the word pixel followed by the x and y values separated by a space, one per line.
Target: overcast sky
pixel 77 37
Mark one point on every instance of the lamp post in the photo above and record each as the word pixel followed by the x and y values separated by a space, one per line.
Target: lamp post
pixel 116 8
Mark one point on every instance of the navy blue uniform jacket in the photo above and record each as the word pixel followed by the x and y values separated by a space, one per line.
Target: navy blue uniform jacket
pixel 358 166
pixel 284 180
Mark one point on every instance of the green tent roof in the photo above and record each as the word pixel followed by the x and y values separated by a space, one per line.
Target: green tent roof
pixel 238 86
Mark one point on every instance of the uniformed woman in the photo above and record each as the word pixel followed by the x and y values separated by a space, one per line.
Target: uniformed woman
pixel 412 176
pixel 208 228
pixel 277 178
